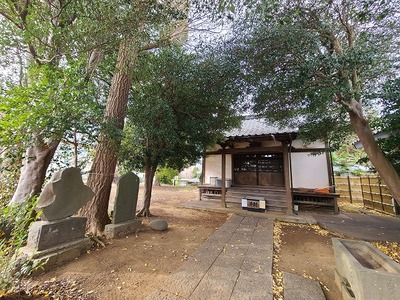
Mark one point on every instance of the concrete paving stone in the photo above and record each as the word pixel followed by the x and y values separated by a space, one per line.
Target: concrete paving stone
pixel 205 257
pixel 261 265
pixel 253 286
pixel 297 287
pixel 240 248
pixel 249 221
pixel 184 282
pixel 163 295
pixel 218 283
pixel 260 249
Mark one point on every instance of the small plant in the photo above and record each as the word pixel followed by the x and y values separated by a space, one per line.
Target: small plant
pixel 14 225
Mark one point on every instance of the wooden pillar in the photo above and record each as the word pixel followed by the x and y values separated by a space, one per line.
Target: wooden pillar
pixel 203 168
pixel 331 176
pixel 289 199
pixel 223 177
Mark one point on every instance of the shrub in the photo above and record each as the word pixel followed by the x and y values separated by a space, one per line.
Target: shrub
pixel 166 175
pixel 14 225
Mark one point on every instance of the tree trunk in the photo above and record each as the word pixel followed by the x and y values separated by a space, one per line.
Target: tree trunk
pixel 383 166
pixel 33 172
pixel 105 160
pixel 149 171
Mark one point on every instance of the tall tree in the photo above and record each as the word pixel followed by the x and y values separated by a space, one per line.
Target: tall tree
pixel 42 35
pixel 175 115
pixel 152 24
pixel 314 64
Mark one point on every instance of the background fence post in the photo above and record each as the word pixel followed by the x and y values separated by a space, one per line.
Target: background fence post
pixel 362 190
pixel 380 193
pixel 370 192
pixel 348 183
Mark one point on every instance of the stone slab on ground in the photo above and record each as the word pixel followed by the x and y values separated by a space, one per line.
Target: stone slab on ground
pixel 297 287
pixel 47 234
pixel 225 266
pixel 119 230
pixel 209 205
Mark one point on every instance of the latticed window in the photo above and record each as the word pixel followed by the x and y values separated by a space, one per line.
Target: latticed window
pixel 268 163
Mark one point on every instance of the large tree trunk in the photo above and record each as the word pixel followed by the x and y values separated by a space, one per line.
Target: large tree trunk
pixel 105 160
pixel 37 160
pixel 149 171
pixel 383 166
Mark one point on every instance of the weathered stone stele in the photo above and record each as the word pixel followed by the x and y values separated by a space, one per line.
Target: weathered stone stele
pixel 126 198
pixel 59 237
pixel 124 219
pixel 64 195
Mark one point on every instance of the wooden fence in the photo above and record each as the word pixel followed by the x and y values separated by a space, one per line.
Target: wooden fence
pixel 368 190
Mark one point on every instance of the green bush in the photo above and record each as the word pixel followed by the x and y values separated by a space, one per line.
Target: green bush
pixel 14 225
pixel 166 175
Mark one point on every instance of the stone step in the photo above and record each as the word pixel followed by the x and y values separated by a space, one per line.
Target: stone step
pixel 297 287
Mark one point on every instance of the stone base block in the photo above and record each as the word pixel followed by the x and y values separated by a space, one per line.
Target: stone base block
pixel 366 271
pixel 57 255
pixel 122 229
pixel 343 285
pixel 48 234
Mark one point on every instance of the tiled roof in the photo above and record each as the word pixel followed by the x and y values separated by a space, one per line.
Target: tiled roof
pixel 252 126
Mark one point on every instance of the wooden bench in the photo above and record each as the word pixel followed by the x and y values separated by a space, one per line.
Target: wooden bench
pixel 209 192
pixel 316 199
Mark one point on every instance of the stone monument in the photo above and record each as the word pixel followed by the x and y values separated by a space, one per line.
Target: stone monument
pixel 124 220
pixel 59 237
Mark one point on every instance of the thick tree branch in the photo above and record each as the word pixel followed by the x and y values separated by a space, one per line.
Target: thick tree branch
pixel 8 17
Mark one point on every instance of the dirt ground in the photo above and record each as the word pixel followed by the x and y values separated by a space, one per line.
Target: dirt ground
pixel 307 251
pixel 133 267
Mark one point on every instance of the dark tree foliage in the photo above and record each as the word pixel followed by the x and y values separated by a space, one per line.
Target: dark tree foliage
pixel 390 122
pixel 315 65
pixel 181 105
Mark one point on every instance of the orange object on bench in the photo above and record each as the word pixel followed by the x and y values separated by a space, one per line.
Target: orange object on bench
pixel 322 191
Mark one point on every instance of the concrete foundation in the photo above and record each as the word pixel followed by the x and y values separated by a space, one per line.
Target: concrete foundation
pixel 122 229
pixel 56 242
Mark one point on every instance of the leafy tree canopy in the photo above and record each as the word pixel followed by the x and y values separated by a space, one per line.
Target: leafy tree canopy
pixel 312 62
pixel 390 121
pixel 180 106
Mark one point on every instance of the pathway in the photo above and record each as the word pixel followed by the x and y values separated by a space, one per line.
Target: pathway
pixel 234 263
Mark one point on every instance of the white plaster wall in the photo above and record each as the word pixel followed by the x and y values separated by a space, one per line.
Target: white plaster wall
pixel 309 171
pixel 299 144
pixel 241 145
pixel 271 144
pixel 214 167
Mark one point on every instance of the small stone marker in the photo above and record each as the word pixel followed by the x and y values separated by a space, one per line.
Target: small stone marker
pixel 64 195
pixel 126 198
pixel 124 220
pixel 159 225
